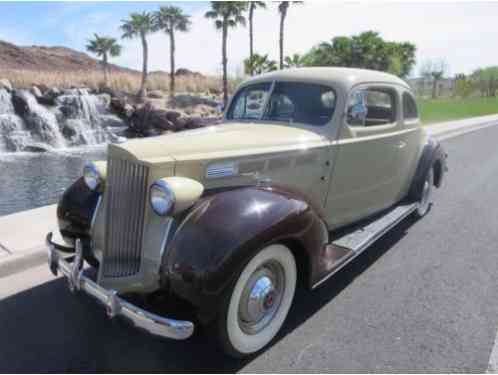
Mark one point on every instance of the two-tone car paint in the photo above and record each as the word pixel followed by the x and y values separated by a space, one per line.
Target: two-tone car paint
pixel 317 178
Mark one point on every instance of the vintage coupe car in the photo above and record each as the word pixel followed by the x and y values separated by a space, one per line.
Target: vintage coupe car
pixel 309 167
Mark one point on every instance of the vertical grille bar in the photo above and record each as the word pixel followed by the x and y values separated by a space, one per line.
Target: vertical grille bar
pixel 126 193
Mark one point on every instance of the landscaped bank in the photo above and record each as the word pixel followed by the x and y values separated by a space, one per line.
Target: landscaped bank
pixel 446 109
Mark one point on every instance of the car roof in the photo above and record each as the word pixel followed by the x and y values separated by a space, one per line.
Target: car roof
pixel 344 78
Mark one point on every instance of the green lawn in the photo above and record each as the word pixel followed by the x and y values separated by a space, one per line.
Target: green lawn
pixel 439 110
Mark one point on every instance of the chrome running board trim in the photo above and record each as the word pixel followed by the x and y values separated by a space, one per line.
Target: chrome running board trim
pixel 359 239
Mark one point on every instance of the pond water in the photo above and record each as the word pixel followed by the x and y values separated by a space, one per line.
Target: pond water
pixel 30 180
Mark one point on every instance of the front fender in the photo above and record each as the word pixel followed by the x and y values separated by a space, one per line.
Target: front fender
pixel 223 231
pixel 75 210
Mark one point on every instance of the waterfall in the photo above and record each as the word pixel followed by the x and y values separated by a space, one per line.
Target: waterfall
pixel 41 122
pixel 77 118
pixel 6 106
pixel 13 135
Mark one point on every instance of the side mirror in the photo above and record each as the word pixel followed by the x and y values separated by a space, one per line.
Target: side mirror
pixel 357 114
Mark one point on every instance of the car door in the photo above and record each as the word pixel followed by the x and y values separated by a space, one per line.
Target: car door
pixel 365 178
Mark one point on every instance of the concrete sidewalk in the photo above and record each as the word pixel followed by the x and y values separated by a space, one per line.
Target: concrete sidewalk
pixel 22 237
pixel 449 128
pixel 22 234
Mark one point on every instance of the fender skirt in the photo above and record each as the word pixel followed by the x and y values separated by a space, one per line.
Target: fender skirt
pixel 432 155
pixel 75 210
pixel 223 231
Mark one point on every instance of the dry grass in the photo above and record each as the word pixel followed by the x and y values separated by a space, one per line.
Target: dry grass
pixel 123 81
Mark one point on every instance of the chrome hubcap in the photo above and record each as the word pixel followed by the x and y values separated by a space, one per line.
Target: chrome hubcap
pixel 261 297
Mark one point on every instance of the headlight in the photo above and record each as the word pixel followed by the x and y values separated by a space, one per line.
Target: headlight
pixel 162 198
pixel 91 175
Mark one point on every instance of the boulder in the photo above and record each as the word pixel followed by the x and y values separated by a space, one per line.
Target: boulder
pixel 187 72
pixel 5 84
pixel 43 88
pixel 49 96
pixel 140 120
pixel 107 90
pixel 194 122
pixel 68 131
pixel 188 100
pixel 20 101
pixel 155 94
pixel 36 92
pixel 215 91
pixel 173 115
pixel 122 108
pixel 181 123
pixel 36 147
pixel 47 100
pixel 105 99
pixel 53 92
pixel 112 121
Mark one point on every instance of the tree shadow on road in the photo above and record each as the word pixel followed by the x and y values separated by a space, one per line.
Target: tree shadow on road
pixel 47 329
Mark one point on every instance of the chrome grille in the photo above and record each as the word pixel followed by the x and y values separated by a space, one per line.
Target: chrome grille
pixel 126 189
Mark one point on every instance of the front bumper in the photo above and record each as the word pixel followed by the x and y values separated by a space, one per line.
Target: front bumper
pixel 115 305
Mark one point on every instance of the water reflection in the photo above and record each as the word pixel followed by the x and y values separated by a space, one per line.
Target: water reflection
pixel 30 180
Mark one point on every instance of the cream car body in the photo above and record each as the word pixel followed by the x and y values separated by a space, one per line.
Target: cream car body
pixel 255 180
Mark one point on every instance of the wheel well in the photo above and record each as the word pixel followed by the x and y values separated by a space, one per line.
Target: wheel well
pixel 437 173
pixel 303 262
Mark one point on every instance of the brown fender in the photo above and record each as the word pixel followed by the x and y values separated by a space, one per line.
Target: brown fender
pixel 433 156
pixel 223 231
pixel 75 210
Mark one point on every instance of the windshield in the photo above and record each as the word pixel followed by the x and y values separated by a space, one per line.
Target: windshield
pixel 289 102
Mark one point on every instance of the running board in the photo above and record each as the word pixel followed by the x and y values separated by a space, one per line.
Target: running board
pixel 358 238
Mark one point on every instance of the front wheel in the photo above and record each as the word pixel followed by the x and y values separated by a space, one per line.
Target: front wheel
pixel 260 300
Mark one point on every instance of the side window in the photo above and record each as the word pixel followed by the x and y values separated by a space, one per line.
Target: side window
pixel 250 102
pixel 410 111
pixel 300 102
pixel 372 107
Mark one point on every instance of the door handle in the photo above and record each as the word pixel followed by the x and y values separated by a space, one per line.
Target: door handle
pixel 401 144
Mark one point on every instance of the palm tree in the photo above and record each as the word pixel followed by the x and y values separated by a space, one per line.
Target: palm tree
pixel 104 47
pixel 140 25
pixel 294 61
pixel 252 7
pixel 259 64
pixel 226 14
pixel 171 19
pixel 282 8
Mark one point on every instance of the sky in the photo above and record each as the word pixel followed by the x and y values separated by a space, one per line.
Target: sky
pixel 464 34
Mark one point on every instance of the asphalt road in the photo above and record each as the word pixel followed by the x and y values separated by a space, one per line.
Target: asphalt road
pixel 423 298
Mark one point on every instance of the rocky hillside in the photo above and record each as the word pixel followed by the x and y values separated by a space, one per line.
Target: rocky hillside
pixel 37 58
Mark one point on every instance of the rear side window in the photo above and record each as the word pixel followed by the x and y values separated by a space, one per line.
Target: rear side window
pixel 410 111
pixel 372 107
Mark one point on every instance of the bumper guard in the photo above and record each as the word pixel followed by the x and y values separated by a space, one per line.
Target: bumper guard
pixel 114 304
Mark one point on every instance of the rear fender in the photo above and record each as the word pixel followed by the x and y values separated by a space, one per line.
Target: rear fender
pixel 433 156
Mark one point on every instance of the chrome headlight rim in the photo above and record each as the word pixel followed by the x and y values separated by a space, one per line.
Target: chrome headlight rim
pixel 165 206
pixel 92 176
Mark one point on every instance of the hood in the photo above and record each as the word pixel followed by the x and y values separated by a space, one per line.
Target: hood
pixel 229 139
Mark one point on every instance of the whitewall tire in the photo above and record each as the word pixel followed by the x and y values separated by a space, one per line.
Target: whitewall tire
pixel 425 201
pixel 259 302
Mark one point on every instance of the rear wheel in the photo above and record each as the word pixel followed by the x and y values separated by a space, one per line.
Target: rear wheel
pixel 259 302
pixel 425 200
